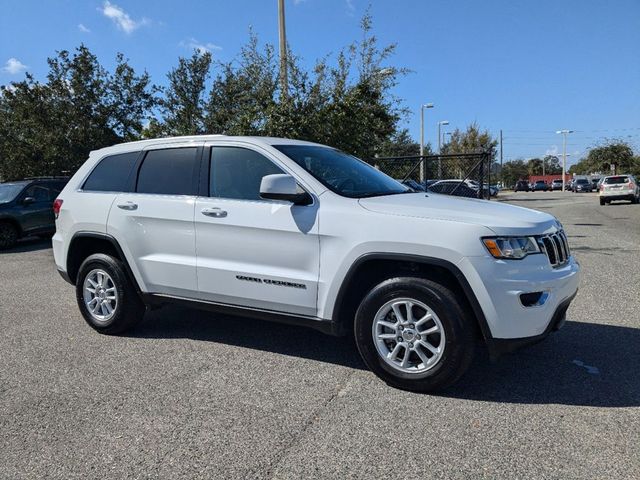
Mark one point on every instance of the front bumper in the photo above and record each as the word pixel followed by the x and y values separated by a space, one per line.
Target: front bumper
pixel 499 285
pixel 500 346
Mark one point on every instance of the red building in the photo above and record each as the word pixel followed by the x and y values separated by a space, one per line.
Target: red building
pixel 550 178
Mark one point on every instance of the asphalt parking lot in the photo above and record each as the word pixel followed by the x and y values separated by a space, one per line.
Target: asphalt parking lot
pixel 188 395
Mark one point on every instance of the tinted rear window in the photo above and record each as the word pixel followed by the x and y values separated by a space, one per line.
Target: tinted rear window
pixel 169 172
pixel 111 174
pixel 615 180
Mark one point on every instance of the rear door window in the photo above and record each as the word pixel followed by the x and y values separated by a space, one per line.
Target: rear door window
pixel 112 173
pixel 172 171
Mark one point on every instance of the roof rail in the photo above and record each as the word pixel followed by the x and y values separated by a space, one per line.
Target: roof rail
pixel 49 177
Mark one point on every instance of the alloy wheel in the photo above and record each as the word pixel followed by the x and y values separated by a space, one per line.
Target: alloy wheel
pixel 100 295
pixel 408 335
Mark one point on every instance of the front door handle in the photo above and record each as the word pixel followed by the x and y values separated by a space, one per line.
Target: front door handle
pixel 128 206
pixel 214 212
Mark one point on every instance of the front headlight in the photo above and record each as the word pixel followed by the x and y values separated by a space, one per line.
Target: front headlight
pixel 513 248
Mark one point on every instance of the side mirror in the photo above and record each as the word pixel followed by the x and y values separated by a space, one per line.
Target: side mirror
pixel 283 187
pixel 28 200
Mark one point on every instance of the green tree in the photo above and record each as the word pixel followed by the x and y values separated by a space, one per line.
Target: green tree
pixel 50 128
pixel 600 158
pixel 534 166
pixel 130 101
pixel 401 144
pixel 513 171
pixel 183 108
pixel 471 140
pixel 552 165
pixel 349 106
pixel 243 95
pixel 618 153
pixel 25 133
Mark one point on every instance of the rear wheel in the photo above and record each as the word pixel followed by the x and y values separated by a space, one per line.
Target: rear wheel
pixel 414 334
pixel 602 201
pixel 8 235
pixel 106 296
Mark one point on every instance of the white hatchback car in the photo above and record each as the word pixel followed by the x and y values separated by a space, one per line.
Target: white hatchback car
pixel 619 187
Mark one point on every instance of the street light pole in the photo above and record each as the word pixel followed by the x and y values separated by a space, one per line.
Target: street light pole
pixel 422 107
pixel 564 153
pixel 443 122
pixel 440 124
pixel 283 49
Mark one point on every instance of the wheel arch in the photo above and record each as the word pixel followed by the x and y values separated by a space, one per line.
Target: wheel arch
pixel 370 269
pixel 14 222
pixel 84 244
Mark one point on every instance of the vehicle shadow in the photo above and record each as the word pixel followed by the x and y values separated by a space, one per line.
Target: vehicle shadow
pixel 583 364
pixel 180 322
pixel 28 244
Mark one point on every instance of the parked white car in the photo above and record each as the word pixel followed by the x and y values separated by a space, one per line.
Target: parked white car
pixel 302 233
pixel 619 187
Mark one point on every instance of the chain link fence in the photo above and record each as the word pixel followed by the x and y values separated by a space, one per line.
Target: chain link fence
pixel 465 175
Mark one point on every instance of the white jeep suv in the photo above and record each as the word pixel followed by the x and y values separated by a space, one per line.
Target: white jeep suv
pixel 302 233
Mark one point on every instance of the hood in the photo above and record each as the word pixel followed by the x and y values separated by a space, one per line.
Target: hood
pixel 502 218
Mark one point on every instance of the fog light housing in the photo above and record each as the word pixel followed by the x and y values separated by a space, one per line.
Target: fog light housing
pixel 533 299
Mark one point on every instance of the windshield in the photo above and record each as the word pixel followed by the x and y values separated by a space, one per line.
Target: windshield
pixel 582 180
pixel 342 173
pixel 616 180
pixel 9 191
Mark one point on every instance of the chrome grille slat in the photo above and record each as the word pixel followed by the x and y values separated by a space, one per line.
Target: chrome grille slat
pixel 556 247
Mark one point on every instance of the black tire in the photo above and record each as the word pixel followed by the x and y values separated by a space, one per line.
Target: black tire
pixel 8 235
pixel 602 201
pixel 128 310
pixel 459 332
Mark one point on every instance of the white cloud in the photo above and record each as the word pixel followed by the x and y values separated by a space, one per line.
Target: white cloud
pixel 552 151
pixel 351 6
pixel 193 44
pixel 83 29
pixel 121 18
pixel 14 66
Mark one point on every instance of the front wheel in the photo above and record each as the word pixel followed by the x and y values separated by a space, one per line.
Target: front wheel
pixel 414 334
pixel 106 296
pixel 8 235
pixel 601 201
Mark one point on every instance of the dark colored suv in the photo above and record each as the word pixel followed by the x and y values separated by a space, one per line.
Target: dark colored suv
pixel 26 208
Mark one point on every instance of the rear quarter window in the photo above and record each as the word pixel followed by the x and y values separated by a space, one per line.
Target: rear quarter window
pixel 112 173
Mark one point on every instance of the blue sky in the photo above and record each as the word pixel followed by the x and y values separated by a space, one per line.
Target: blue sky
pixel 526 67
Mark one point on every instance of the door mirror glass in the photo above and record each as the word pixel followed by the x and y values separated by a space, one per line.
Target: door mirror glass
pixel 28 200
pixel 283 187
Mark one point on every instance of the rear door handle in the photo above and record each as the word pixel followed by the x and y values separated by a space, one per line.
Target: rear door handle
pixel 214 212
pixel 128 206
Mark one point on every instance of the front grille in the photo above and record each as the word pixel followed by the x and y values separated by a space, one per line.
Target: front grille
pixel 556 247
